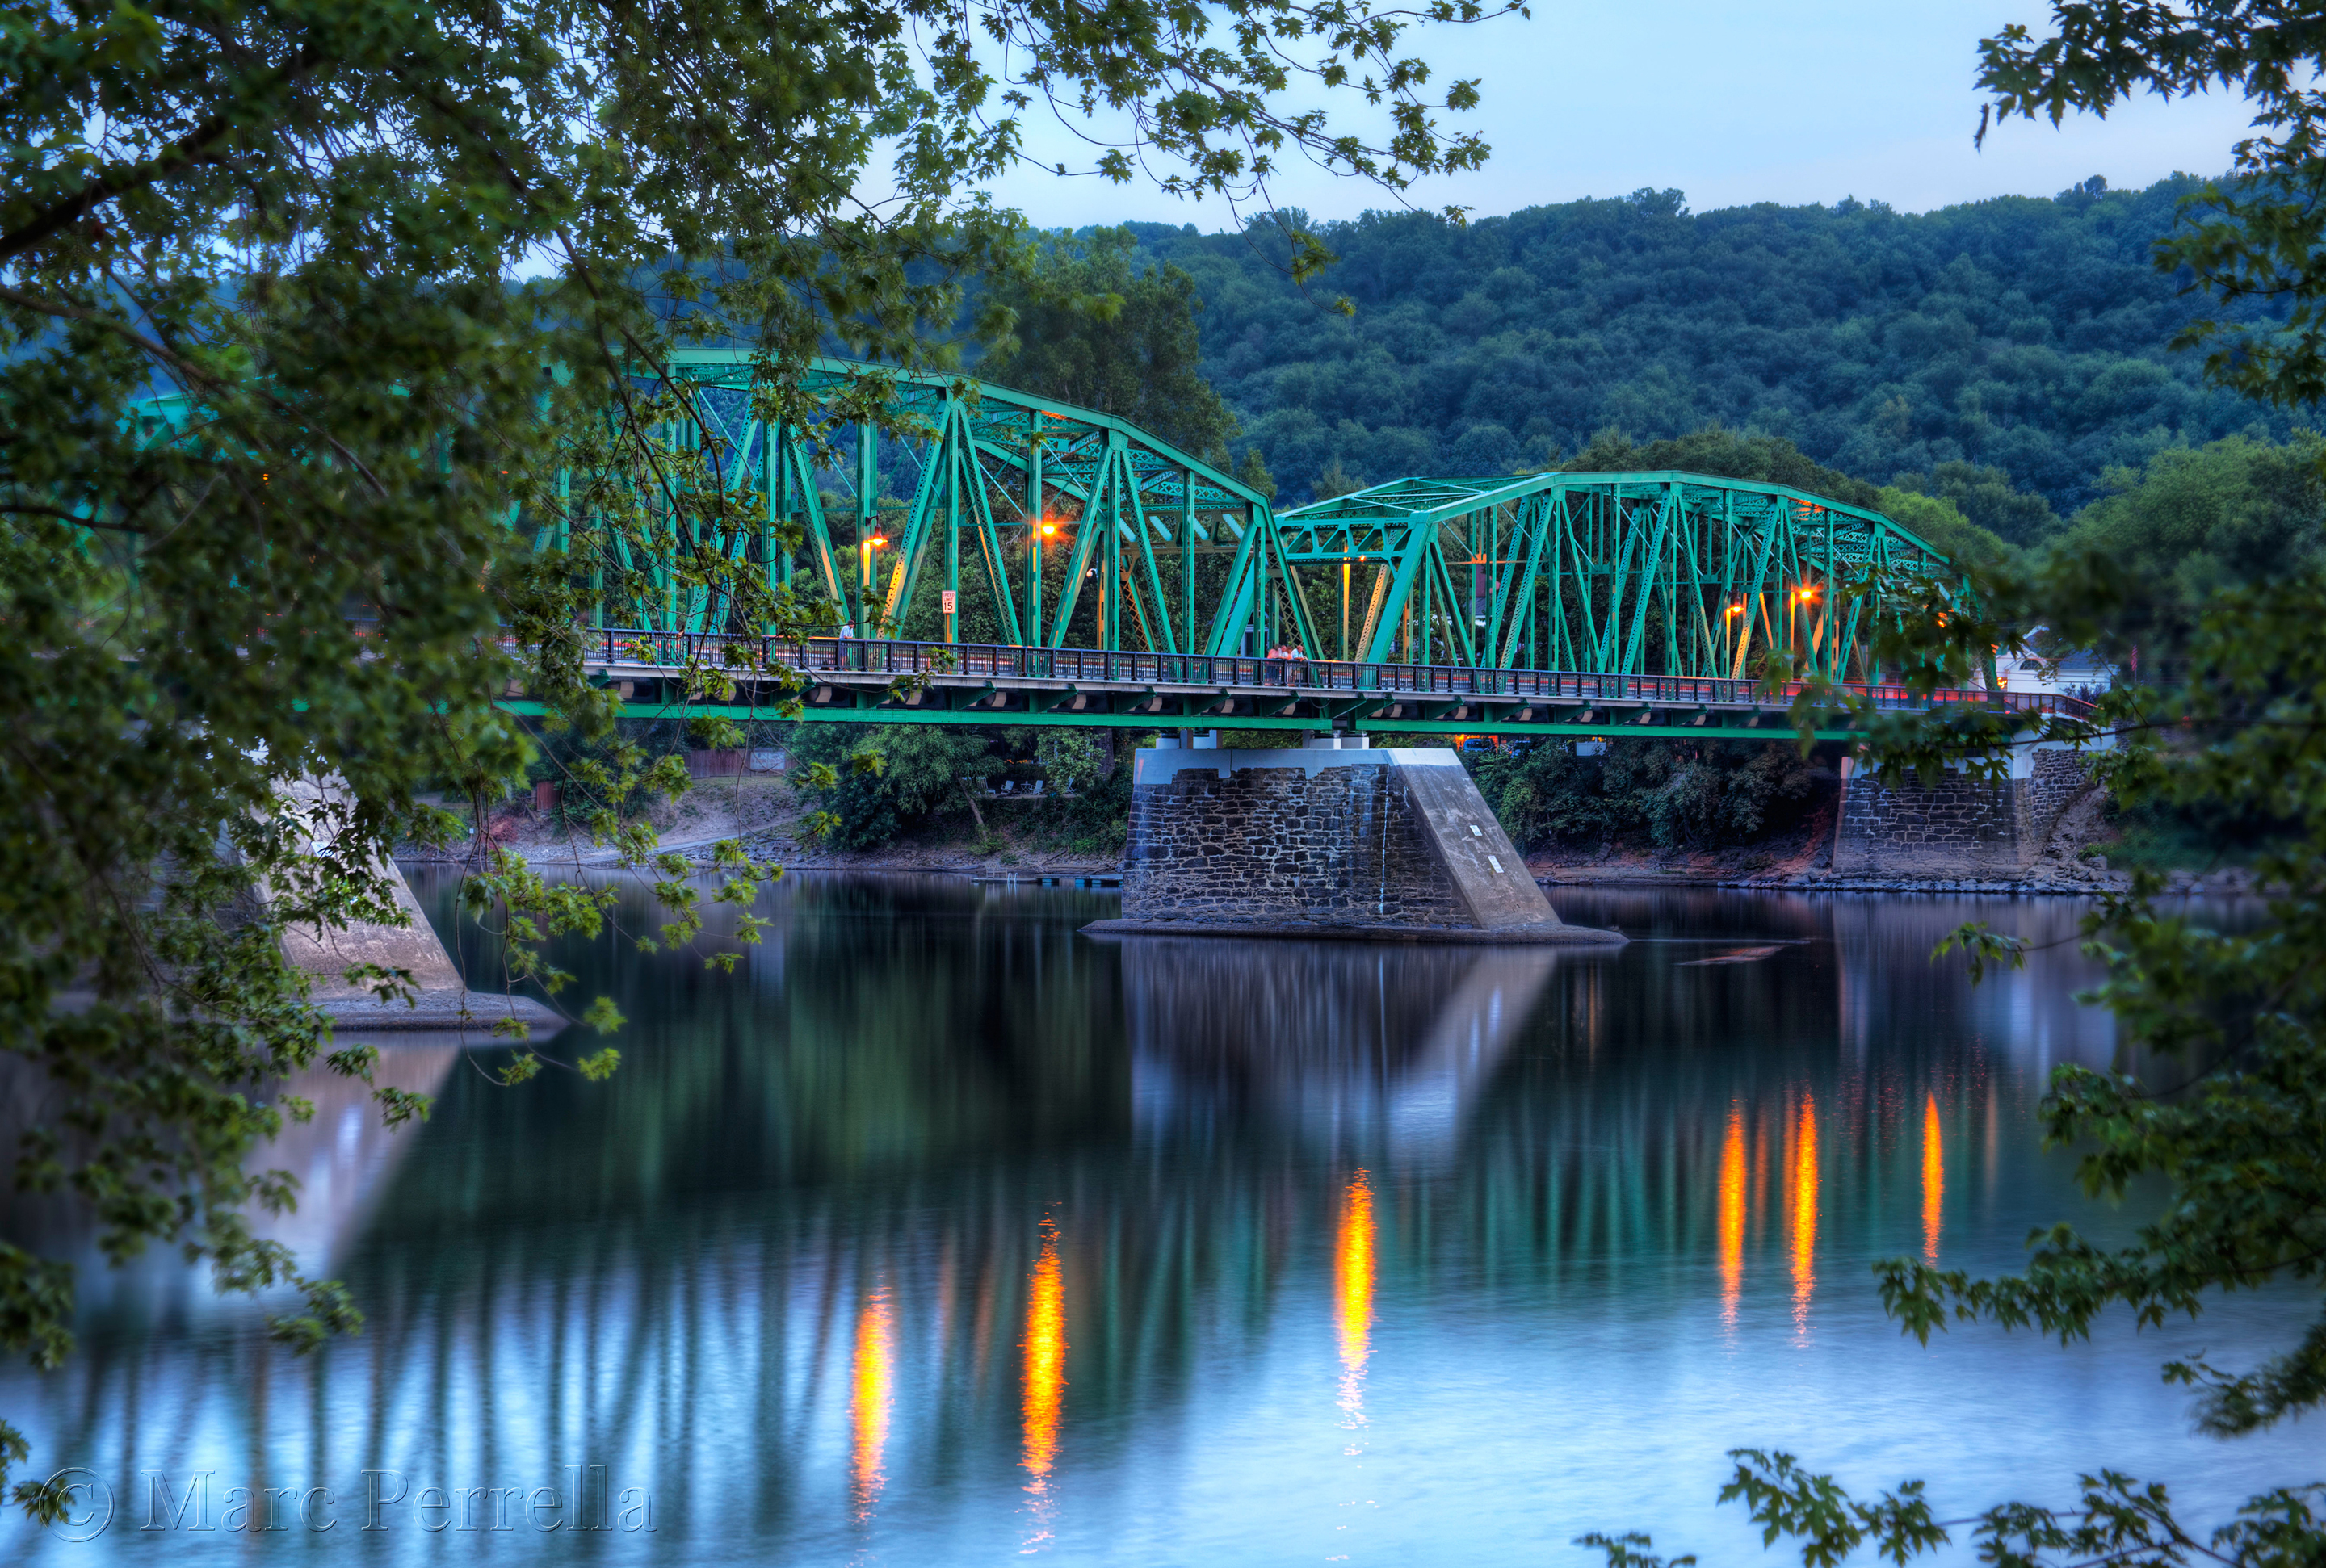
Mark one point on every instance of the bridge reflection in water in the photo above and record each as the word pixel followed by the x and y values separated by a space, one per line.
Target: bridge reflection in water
pixel 952 1234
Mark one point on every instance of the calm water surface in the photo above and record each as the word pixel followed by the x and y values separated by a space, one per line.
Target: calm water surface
pixel 938 1234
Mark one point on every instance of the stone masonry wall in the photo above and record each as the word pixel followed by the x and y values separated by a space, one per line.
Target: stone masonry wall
pixel 1962 826
pixel 1267 845
pixel 2059 779
pixel 1958 827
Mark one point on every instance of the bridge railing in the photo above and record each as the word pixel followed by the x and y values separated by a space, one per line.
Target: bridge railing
pixel 1011 662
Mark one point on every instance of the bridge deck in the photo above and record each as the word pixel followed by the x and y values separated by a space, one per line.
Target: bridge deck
pixel 880 681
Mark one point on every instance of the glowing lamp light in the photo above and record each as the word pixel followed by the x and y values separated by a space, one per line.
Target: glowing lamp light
pixel 878 543
pixel 1049 527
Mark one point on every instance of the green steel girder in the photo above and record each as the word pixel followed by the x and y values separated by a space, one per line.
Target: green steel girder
pixel 1015 477
pixel 1117 720
pixel 1631 573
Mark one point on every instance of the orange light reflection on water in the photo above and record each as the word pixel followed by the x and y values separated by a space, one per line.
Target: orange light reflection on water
pixel 1805 1210
pixel 874 1375
pixel 1045 1346
pixel 1732 1216
pixel 1934 1179
pixel 1353 1293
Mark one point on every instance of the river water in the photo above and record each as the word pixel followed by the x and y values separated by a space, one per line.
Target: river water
pixel 939 1234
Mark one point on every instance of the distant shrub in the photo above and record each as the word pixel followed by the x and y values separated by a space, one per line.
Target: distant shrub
pixel 1664 794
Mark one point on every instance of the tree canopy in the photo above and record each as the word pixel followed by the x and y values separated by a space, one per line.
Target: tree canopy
pixel 2022 335
pixel 1091 328
pixel 2191 523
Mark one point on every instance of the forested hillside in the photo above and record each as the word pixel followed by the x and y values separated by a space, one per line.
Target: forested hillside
pixel 2018 334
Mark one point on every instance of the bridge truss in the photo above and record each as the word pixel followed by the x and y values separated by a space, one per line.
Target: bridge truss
pixel 983 512
pixel 1028 560
pixel 998 517
pixel 1614 574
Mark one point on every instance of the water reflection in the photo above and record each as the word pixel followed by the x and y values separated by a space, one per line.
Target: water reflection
pixel 798 1273
pixel 1046 1379
pixel 1805 1210
pixel 339 1159
pixel 1934 1179
pixel 1352 1295
pixel 876 1358
pixel 1379 1048
pixel 1732 1216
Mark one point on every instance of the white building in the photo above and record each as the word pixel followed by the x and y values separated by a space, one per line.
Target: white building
pixel 2080 673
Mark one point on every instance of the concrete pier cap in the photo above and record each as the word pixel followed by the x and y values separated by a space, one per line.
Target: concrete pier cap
pixel 1333 839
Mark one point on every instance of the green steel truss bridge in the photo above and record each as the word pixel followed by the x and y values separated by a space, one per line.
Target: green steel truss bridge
pixel 1062 566
pixel 1065 567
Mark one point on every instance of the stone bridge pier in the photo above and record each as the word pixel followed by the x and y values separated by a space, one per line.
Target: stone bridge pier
pixel 1332 840
pixel 1960 827
pixel 441 998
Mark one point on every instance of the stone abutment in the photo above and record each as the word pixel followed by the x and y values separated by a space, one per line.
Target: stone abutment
pixel 1958 826
pixel 1325 841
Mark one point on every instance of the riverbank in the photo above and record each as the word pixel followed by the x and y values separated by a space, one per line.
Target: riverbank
pixel 2070 865
pixel 765 814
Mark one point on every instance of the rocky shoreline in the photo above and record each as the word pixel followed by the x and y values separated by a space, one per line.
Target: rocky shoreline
pixel 2086 883
pixel 551 858
pixel 1801 861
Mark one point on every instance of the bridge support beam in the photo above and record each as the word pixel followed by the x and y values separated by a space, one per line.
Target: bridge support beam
pixel 1330 840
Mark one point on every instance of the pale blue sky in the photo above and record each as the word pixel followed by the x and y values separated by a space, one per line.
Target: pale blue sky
pixel 1781 100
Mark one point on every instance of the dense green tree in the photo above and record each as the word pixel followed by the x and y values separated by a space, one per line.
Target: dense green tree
pixel 1942 525
pixel 1725 454
pixel 2257 237
pixel 1092 328
pixel 2191 523
pixel 1072 758
pixel 1253 472
pixel 2023 335
pixel 306 219
pixel 1335 480
pixel 1647 794
pixel 1987 499
pixel 880 781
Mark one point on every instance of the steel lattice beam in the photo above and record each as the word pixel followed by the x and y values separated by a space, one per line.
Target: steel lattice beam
pixel 1011 482
pixel 1641 574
